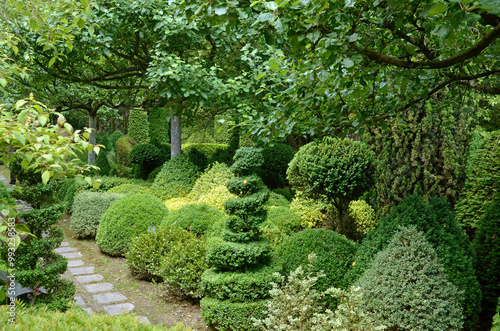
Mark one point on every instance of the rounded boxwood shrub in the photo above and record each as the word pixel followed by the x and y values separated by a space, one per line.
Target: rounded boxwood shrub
pixel 280 223
pixel 124 146
pixel 363 215
pixel 276 160
pixel 88 208
pixel 436 220
pixel 216 197
pixel 406 288
pixel 129 189
pixel 310 211
pixel 334 252
pixel 127 218
pixel 147 157
pixel 195 217
pixel 218 174
pixel 228 315
pixel 175 179
pixel 486 245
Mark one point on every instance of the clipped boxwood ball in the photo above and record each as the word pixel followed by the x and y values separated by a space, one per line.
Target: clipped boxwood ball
pixel 335 255
pixel 198 218
pixel 127 218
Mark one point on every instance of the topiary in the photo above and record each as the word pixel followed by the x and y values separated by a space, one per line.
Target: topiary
pixel 138 126
pixel 197 218
pixel 102 162
pixel 483 181
pixel 486 245
pixel 406 288
pixel 176 178
pixel 340 170
pixel 159 125
pixel 284 192
pixel 276 160
pixel 113 138
pixel 280 223
pixel 216 175
pixel 124 146
pixel 88 207
pixel 363 215
pixel 127 218
pixel 128 189
pixel 102 138
pixel 334 252
pixel 147 157
pixel 435 219
pixel 310 211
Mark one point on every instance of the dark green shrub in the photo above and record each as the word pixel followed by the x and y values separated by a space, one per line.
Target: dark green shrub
pixel 152 175
pixel 164 151
pixel 483 181
pixel 422 152
pixel 207 153
pixel 88 207
pixel 113 138
pixel 339 170
pixel 406 288
pixel 228 315
pixel 159 125
pixel 216 175
pixel 486 245
pixel 124 146
pixel 147 157
pixel 197 218
pixel 436 220
pixel 24 176
pixel 102 162
pixel 128 189
pixel 127 218
pixel 37 195
pixel 231 256
pixel 276 160
pixel 147 250
pixel 4 195
pixel 102 138
pixel 138 126
pixel 176 178
pixel 280 223
pixel 284 192
pixel 334 252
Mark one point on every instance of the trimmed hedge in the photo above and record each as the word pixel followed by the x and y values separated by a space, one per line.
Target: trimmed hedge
pixel 216 175
pixel 175 179
pixel 147 157
pixel 227 315
pixel 138 126
pixel 197 218
pixel 129 189
pixel 335 254
pixel 127 218
pixel 124 146
pixel 211 153
pixel 231 256
pixel 88 208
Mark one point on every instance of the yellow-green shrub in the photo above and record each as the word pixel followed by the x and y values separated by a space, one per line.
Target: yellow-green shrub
pixel 130 189
pixel 310 211
pixel 216 197
pixel 176 203
pixel 363 214
pixel 216 175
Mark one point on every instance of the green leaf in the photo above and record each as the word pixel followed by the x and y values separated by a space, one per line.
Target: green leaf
pixel 45 176
pixel 3 82
pixel 437 9
pixel 91 30
pixel 85 3
pixel 20 137
pixel 25 163
pixel 3 228
pixel 52 61
pixel 220 10
pixel 69 45
pixel 348 63
pixel 260 76
pixel 20 227
pixel 17 241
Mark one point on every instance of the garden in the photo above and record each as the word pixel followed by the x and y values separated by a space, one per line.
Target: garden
pixel 250 165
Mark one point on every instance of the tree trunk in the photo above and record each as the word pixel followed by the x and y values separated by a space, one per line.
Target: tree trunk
pixel 93 135
pixel 175 136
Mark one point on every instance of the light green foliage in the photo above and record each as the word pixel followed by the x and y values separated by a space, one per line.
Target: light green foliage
pixel 277 200
pixel 276 160
pixel 435 219
pixel 339 169
pixel 422 152
pixel 128 189
pixel 280 223
pixel 216 175
pixel 76 319
pixel 158 125
pixel 310 211
pixel 363 214
pixel 406 282
pixel 138 126
pixel 88 207
pixel 334 252
pixel 496 319
pixel 486 245
pixel 124 146
pixel 227 315
pixel 176 203
pixel 175 179
pixel 483 180
pixel 284 192
pixel 127 218
pixel 216 197
pixel 197 218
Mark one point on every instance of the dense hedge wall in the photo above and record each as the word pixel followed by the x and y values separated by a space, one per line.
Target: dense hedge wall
pixel 138 126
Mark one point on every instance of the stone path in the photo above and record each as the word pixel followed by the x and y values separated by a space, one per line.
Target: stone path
pixel 99 296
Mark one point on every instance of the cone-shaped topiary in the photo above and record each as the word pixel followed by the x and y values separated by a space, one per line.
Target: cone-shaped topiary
pixel 138 126
pixel 406 288
pixel 239 262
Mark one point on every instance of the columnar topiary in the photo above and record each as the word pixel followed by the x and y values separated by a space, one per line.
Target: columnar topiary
pixel 240 275
pixel 103 163
pixel 487 248
pixel 340 170
pixel 158 125
pixel 406 288
pixel 138 126
pixel 435 219
pixel 124 146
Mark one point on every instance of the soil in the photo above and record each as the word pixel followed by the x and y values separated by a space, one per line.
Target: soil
pixel 150 300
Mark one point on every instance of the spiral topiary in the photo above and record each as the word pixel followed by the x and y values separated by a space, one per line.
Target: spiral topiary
pixel 241 259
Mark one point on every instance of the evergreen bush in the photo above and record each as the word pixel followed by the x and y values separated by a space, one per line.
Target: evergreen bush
pixel 124 146
pixel 126 218
pixel 138 126
pixel 310 211
pixel 280 223
pixel 407 288
pixel 88 207
pixel 128 189
pixel 363 215
pixel 102 162
pixel 147 157
pixel 276 160
pixel 113 138
pixel 176 178
pixel 210 153
pixel 217 174
pixel 197 218
pixel 216 197
pixel 284 192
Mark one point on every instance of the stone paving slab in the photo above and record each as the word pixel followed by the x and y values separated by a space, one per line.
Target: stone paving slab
pixel 118 309
pixel 75 263
pixel 80 302
pixel 66 249
pixel 99 287
pixel 89 278
pixel 81 270
pixel 88 310
pixel 71 255
pixel 144 319
pixel 109 297
pixel 64 244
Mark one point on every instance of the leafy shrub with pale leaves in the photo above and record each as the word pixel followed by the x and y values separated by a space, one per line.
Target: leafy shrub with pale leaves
pixel 218 174
pixel 128 189
pixel 216 197
pixel 363 215
pixel 310 211
pixel 176 203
